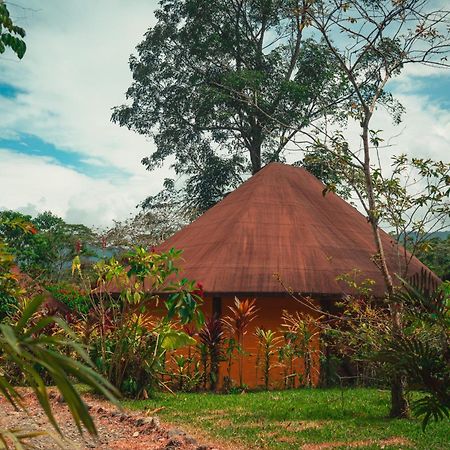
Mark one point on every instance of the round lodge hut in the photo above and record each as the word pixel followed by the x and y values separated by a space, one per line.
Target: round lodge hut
pixel 277 233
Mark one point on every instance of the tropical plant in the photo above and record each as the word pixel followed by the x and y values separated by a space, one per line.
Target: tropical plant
pixel 211 338
pixel 267 341
pixel 38 356
pixel 24 344
pixel 286 357
pixel 230 347
pixel 129 342
pixel 423 352
pixel 303 330
pixel 236 326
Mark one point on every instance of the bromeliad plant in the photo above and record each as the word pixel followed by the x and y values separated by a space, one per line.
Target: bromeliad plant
pixel 129 341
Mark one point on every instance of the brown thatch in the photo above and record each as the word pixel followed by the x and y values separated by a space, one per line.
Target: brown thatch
pixel 279 222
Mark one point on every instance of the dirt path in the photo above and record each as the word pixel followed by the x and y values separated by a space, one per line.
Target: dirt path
pixel 117 430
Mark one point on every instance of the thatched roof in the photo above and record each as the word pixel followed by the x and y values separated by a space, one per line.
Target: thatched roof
pixel 279 222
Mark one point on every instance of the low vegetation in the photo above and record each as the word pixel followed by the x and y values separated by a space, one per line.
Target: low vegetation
pixel 296 418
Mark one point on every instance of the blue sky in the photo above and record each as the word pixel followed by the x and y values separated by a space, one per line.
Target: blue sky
pixel 60 152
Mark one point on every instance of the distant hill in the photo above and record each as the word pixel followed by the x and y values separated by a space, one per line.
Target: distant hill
pixel 437 234
pixel 440 234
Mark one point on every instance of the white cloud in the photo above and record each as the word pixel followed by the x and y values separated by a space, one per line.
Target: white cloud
pixel 75 70
pixel 32 184
pixel 424 131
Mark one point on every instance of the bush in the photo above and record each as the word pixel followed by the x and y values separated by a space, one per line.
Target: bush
pixel 72 296
pixel 128 343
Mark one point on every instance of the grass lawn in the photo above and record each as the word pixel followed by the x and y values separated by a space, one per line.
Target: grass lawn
pixel 294 419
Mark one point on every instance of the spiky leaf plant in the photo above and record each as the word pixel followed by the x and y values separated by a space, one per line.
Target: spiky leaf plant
pixel 242 314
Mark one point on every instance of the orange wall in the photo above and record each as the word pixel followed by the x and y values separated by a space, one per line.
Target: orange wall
pixel 268 317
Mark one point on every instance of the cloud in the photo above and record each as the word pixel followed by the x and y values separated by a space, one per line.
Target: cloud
pixel 61 94
pixel 33 184
pixel 76 70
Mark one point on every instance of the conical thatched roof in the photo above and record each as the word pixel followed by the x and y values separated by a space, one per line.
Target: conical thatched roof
pixel 278 222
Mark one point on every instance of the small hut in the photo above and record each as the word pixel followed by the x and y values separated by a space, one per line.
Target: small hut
pixel 279 232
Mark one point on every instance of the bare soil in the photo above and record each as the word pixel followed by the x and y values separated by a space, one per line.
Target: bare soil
pixel 117 430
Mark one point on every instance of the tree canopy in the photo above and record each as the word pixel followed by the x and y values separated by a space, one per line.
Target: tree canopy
pixel 47 251
pixel 224 87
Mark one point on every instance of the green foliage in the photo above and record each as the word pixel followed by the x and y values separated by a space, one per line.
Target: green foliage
pixel 8 305
pixel 72 296
pixel 48 250
pixel 11 35
pixel 435 254
pixel 224 86
pixel 129 343
pixel 9 286
pixel 327 168
pixel 423 351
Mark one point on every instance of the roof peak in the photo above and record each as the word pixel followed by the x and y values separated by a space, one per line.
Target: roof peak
pixel 279 221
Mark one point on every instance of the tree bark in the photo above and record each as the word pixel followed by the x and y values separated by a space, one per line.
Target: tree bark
pixel 255 154
pixel 399 403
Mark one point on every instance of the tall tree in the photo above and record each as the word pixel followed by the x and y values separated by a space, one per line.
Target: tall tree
pixel 224 86
pixel 372 42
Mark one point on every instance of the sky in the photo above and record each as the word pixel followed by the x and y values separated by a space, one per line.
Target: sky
pixel 59 150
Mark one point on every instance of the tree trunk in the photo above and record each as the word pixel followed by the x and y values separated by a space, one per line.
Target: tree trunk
pixel 255 141
pixel 399 404
pixel 255 158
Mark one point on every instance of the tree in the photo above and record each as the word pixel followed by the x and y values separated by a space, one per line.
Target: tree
pixel 48 252
pixel 435 254
pixel 11 35
pixel 146 229
pixel 224 86
pixel 378 39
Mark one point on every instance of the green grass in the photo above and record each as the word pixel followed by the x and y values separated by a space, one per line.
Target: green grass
pixel 291 419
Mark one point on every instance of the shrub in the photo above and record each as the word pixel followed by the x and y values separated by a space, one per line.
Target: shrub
pixel 129 344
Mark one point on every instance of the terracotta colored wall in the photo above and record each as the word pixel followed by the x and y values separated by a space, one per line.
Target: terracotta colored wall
pixel 268 317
